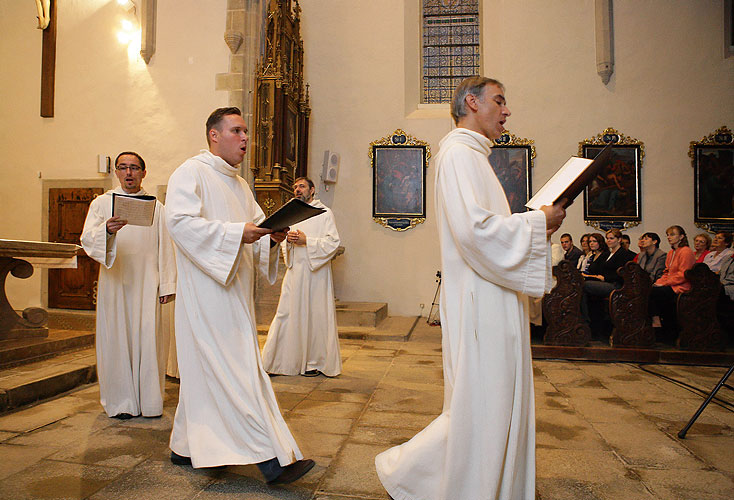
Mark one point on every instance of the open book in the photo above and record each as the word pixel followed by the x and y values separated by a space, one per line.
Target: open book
pixel 570 180
pixel 136 210
pixel 293 212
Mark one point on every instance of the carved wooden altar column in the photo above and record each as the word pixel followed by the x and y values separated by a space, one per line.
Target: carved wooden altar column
pixel 280 125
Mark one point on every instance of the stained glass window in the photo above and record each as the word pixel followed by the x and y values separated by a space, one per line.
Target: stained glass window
pixel 450 46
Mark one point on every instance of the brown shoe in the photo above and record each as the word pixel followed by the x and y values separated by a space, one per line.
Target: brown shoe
pixel 293 471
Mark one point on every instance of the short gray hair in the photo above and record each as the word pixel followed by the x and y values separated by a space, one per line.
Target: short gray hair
pixel 473 85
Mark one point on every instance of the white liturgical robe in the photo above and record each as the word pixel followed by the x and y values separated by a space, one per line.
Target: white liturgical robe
pixel 227 412
pixel 303 334
pixel 137 267
pixel 482 446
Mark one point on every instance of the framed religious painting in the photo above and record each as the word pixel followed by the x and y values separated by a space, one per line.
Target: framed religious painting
pixel 713 180
pixel 291 133
pixel 613 198
pixel 399 163
pixel 512 160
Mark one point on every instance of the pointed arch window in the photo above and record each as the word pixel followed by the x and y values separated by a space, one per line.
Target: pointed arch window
pixel 450 46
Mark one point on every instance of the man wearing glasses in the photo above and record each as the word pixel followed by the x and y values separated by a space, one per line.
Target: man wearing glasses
pixel 137 275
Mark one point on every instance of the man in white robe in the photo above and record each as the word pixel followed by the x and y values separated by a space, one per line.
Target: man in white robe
pixel 482 446
pixel 137 274
pixel 227 412
pixel 303 338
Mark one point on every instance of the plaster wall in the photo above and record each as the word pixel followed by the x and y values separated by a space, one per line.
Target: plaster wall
pixel 671 85
pixel 107 100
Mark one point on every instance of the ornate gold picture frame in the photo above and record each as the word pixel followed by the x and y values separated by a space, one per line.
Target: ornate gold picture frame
pixel 512 161
pixel 399 163
pixel 713 173
pixel 614 197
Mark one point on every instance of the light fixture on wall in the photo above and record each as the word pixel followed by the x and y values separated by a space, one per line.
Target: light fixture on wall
pixel 142 30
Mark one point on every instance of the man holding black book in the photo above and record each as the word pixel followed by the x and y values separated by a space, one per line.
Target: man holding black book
pixel 303 339
pixel 136 275
pixel 483 443
pixel 227 412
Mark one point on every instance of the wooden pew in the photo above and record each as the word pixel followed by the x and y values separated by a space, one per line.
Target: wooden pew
pixel 628 309
pixel 697 318
pixel 562 308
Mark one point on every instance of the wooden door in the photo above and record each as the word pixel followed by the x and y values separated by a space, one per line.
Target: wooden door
pixel 71 288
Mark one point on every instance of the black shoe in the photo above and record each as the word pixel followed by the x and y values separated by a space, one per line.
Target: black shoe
pixel 122 416
pixel 293 471
pixel 177 459
pixel 311 373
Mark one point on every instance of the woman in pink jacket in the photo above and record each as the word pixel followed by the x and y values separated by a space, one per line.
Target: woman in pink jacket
pixel 665 290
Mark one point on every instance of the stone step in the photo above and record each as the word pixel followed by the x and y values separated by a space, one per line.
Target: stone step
pixel 18 352
pixel 66 319
pixel 369 314
pixel 392 328
pixel 32 382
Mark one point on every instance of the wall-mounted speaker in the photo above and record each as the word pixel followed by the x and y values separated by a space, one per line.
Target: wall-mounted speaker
pixel 330 170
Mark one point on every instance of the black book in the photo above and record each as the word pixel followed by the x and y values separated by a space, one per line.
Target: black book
pixel 293 212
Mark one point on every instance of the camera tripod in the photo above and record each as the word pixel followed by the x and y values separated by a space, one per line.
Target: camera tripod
pixel 434 318
pixel 722 382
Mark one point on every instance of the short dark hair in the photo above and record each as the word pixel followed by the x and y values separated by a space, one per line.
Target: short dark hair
pixel 654 237
pixel 310 182
pixel 566 235
pixel 131 153
pixel 217 116
pixel 626 238
pixel 473 85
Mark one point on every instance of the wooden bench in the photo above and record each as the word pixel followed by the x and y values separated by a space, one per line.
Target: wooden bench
pixel 628 309
pixel 697 315
pixel 562 308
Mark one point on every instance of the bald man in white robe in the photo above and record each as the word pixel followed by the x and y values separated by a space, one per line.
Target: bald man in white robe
pixel 482 446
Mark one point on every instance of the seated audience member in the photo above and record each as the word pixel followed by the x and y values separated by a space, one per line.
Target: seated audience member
pixel 673 282
pixel 701 246
pixel 726 276
pixel 585 258
pixel 720 251
pixel 601 279
pixel 599 254
pixel 571 253
pixel 651 258
pixel 626 242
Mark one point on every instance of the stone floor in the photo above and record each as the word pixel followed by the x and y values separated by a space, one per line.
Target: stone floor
pixel 604 431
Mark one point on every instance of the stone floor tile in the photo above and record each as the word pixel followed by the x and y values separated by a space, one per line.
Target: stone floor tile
pixel 67 431
pixel 334 409
pixel 154 480
pixel 329 425
pixel 318 443
pixel 605 409
pixel 687 484
pixel 574 489
pixel 423 374
pixel 716 451
pixel 52 480
pixel 643 445
pixel 118 446
pixel 4 436
pixel 353 472
pixel 398 420
pixel 347 397
pixel 392 397
pixel 349 383
pixel 289 400
pixel 380 435
pixel 17 457
pixel 565 430
pixel 587 466
pixel 38 416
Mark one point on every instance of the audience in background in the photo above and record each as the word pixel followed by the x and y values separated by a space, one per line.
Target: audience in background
pixel 585 259
pixel 571 253
pixel 720 251
pixel 599 253
pixel 626 242
pixel 651 258
pixel 673 282
pixel 701 246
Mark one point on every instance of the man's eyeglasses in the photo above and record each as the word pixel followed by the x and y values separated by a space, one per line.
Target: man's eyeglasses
pixel 132 168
